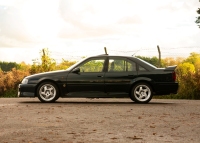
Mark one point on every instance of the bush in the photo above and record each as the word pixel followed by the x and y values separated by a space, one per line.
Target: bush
pixel 189 77
pixel 9 82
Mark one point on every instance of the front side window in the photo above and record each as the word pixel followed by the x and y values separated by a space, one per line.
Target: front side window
pixel 93 65
pixel 121 65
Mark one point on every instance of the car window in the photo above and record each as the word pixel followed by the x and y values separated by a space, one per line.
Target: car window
pixel 93 65
pixel 121 65
pixel 131 66
pixel 142 69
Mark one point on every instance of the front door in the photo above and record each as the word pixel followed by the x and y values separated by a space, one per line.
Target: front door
pixel 89 79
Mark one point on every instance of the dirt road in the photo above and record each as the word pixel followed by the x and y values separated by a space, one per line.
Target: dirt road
pixel 99 120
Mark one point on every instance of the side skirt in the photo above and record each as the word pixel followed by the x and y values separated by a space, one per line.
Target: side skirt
pixel 95 95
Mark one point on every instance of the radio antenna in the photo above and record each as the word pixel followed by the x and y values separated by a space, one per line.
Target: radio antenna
pixel 105 51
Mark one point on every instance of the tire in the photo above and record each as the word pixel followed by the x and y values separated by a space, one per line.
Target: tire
pixel 141 93
pixel 47 92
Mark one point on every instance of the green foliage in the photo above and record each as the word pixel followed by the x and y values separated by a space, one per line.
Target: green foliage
pixel 65 64
pixel 164 62
pixel 7 66
pixel 24 67
pixel 185 68
pixel 189 77
pixel 194 59
pixel 10 93
pixel 198 18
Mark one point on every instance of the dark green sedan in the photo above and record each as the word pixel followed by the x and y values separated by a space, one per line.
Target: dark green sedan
pixel 102 76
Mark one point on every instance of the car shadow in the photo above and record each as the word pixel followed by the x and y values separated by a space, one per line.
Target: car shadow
pixel 97 103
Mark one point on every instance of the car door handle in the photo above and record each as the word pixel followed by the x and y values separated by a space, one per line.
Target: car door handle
pixel 99 75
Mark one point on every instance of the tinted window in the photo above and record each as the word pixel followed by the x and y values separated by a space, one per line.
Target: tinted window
pixel 121 65
pixel 142 69
pixel 146 63
pixel 93 65
pixel 131 66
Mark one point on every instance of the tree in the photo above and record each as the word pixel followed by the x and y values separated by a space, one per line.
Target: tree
pixel 198 18
pixel 185 68
pixel 8 66
pixel 24 67
pixel 169 61
pixel 194 59
pixel 46 63
pixel 65 64
pixel 188 76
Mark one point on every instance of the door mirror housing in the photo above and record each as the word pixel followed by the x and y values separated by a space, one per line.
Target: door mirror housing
pixel 76 70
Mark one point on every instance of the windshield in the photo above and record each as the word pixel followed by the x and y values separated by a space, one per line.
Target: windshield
pixel 73 66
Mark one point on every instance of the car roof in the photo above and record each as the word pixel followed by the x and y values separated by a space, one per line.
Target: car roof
pixel 107 55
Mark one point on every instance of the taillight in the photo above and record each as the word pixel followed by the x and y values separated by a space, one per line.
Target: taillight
pixel 174 76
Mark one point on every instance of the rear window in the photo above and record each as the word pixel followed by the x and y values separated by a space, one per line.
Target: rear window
pixel 152 66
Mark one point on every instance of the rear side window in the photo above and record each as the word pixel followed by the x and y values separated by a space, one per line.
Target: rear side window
pixel 121 65
pixel 131 66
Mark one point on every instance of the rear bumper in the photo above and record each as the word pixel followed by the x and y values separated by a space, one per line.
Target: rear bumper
pixel 166 88
pixel 26 90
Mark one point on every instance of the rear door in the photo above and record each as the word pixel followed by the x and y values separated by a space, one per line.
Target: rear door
pixel 121 71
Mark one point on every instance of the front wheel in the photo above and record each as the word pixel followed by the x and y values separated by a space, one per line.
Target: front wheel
pixel 141 93
pixel 47 92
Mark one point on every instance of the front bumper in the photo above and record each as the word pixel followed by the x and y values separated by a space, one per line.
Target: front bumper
pixel 26 90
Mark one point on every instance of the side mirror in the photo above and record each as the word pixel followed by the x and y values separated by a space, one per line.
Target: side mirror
pixel 76 70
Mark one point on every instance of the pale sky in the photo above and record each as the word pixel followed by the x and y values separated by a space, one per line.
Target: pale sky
pixel 71 29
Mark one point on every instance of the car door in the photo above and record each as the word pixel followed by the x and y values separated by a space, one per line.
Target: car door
pixel 90 78
pixel 121 71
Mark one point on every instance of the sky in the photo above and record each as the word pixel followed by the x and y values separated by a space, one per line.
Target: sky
pixel 71 29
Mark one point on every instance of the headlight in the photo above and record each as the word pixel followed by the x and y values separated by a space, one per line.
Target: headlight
pixel 25 81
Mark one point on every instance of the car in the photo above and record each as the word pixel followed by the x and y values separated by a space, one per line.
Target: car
pixel 102 76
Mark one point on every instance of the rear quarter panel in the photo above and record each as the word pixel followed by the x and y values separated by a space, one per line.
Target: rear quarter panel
pixel 160 80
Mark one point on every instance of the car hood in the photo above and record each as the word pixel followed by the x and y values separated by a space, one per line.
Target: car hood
pixel 47 74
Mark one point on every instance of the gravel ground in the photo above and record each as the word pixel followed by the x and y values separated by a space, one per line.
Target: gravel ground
pixel 26 120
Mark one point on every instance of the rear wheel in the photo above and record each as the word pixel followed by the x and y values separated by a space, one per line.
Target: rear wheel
pixel 141 93
pixel 47 92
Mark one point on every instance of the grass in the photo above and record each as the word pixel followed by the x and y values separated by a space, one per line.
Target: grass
pixel 10 94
